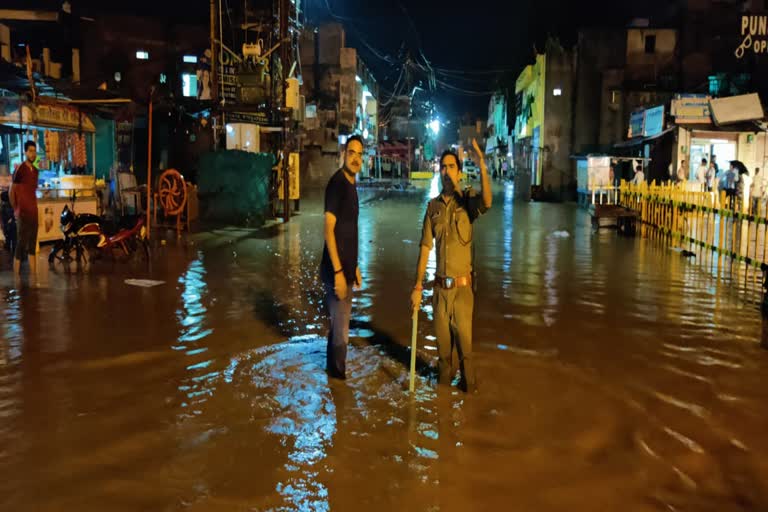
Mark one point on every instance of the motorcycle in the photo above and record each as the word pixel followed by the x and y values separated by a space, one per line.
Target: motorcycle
pixel 75 228
pixel 87 235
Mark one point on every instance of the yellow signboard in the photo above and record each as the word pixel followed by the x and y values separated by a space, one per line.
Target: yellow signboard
pixel 46 115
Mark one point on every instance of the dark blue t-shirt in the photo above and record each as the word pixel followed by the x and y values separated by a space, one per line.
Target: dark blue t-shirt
pixel 341 201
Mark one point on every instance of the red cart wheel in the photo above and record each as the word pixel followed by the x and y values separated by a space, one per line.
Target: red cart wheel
pixel 173 192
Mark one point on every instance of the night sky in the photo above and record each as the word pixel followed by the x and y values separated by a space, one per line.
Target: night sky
pixel 465 39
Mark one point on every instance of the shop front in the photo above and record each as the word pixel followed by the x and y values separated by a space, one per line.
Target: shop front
pixel 64 136
pixel 744 142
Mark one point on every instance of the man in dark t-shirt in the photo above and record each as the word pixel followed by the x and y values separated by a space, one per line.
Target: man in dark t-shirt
pixel 23 195
pixel 338 269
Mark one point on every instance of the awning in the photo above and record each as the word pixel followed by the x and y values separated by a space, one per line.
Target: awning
pixel 642 140
pixel 743 127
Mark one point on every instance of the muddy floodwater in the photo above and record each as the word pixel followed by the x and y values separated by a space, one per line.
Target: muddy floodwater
pixel 614 375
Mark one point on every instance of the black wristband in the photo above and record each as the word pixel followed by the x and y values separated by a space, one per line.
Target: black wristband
pixel 338 271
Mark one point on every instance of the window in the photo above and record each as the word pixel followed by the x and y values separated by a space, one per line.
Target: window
pixel 142 55
pixel 650 44
pixel 189 85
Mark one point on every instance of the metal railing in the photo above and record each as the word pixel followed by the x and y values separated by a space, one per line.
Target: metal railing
pixel 605 195
pixel 724 234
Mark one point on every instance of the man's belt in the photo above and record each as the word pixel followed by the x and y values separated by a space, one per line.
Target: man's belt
pixel 453 282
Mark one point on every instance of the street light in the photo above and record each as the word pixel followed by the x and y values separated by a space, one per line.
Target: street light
pixel 434 125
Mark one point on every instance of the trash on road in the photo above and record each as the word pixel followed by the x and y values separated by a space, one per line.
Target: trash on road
pixel 143 283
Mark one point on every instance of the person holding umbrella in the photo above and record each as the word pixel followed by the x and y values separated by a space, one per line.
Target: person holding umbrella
pixel 448 226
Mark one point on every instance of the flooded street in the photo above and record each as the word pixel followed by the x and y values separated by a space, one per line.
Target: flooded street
pixel 613 375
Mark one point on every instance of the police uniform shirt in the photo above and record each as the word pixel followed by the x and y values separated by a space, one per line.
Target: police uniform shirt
pixel 448 222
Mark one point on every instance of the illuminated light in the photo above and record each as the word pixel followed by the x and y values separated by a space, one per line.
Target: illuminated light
pixel 230 129
pixel 190 59
pixel 142 55
pixel 163 78
pixel 434 125
pixel 358 79
pixel 189 85
pixel 558 91
pixel 365 133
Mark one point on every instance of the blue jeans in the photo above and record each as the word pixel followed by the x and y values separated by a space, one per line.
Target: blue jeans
pixel 339 313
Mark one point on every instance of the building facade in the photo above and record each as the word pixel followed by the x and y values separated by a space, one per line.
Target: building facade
pixel 341 100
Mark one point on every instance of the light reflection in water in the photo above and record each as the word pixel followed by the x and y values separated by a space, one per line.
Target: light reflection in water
pixel 550 281
pixel 192 320
pixel 509 194
pixel 301 412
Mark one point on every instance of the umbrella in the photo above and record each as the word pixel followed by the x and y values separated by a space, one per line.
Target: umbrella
pixel 739 166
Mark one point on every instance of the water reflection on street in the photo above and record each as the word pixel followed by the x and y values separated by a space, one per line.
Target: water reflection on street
pixel 614 375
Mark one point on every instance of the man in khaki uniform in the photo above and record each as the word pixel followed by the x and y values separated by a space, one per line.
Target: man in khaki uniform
pixel 448 224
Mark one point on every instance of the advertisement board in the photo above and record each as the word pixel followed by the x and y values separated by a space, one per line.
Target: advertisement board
pixel 654 121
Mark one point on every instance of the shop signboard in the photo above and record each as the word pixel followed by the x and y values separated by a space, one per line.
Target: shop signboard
pixel 51 115
pixel 636 122
pixel 753 36
pixel 691 109
pixel 654 121
pixel 735 109
pixel 260 118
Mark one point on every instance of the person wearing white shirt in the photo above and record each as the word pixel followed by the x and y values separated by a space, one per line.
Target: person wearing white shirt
pixel 701 174
pixel 639 175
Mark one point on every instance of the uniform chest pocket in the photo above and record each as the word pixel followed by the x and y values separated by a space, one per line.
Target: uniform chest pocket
pixel 439 222
pixel 463 227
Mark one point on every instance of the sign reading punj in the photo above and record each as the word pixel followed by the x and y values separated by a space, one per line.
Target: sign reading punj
pixel 754 31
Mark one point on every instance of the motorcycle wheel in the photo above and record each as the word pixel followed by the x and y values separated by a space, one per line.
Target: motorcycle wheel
pixel 61 252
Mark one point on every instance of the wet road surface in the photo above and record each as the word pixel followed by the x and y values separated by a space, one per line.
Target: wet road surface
pixel 614 375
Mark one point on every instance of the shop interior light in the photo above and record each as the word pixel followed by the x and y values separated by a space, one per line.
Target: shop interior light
pixel 230 129
pixel 190 59
pixel 142 55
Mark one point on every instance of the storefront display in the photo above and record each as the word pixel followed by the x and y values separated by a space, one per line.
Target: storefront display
pixel 67 176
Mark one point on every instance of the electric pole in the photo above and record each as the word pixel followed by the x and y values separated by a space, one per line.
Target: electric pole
pixel 284 58
pixel 214 74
